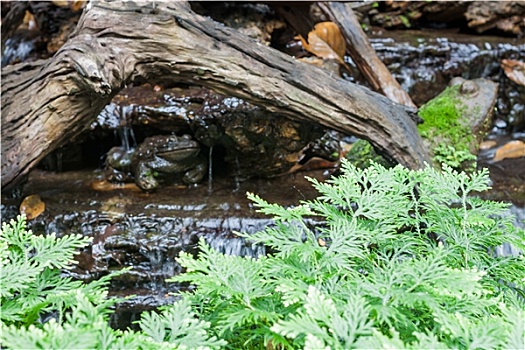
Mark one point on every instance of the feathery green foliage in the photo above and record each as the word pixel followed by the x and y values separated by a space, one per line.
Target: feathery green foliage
pixel 32 288
pixel 398 259
pixel 31 283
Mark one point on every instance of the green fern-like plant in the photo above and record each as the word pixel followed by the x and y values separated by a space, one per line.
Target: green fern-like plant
pixel 31 281
pixel 383 258
pixel 397 259
pixel 32 286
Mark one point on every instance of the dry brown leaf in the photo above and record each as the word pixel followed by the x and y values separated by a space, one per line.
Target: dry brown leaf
pixel 487 145
pixel 105 185
pixel 60 3
pixel 76 5
pixel 29 21
pixel 32 206
pixel 512 149
pixel 514 70
pixel 326 41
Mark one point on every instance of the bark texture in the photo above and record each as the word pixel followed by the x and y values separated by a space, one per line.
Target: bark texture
pixel 363 54
pixel 507 16
pixel 46 104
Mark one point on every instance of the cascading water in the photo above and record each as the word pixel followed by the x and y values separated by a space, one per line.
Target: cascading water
pixel 210 171
pixel 236 177
pixel 424 62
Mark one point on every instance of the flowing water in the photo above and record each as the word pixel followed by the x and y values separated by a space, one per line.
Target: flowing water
pixel 147 231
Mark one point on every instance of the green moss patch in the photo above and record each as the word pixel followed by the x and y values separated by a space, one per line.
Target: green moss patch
pixel 449 139
pixel 362 155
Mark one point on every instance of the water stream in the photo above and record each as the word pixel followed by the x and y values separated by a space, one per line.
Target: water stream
pixel 147 231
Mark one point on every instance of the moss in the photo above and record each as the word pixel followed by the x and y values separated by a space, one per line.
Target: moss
pixel 443 129
pixel 362 154
pixel 405 21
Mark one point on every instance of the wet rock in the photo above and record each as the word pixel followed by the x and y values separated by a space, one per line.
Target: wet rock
pixel 254 142
pixel 476 101
pixel 424 62
pixel 408 14
pixel 457 120
pixel 505 16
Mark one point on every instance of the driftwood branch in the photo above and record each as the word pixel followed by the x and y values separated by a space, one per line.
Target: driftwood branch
pixel 46 104
pixel 363 54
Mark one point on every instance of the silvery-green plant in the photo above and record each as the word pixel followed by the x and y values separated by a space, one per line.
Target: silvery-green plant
pixel 383 258
pixel 32 286
pixel 397 259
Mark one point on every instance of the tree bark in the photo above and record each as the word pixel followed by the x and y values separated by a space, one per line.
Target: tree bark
pixel 46 104
pixel 364 55
pixel 357 44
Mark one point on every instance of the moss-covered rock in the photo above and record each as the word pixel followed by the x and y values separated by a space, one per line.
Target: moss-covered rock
pixel 456 121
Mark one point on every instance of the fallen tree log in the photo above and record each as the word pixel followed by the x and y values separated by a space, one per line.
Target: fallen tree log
pixel 46 104
pixel 363 54
pixel 357 44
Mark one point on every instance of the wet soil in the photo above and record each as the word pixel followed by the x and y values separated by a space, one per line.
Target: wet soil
pixel 507 175
pixel 147 231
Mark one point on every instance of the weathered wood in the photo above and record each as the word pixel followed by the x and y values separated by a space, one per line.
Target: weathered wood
pixel 357 44
pixel 506 16
pixel 119 43
pixel 359 48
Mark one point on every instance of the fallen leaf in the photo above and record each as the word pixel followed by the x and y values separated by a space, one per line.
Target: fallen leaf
pixel 314 163
pixel 60 3
pixel 512 149
pixel 487 145
pixel 326 41
pixel 29 21
pixel 76 5
pixel 32 206
pixel 105 185
pixel 514 70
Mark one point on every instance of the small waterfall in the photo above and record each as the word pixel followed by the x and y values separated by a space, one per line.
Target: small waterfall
pixel 126 111
pixel 124 130
pixel 122 134
pixel 127 138
pixel 16 49
pixel 210 171
pixel 236 178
